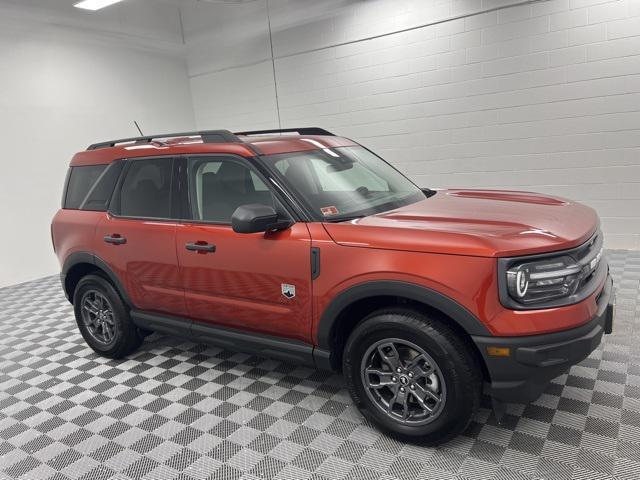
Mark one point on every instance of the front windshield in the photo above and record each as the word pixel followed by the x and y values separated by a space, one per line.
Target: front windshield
pixel 346 182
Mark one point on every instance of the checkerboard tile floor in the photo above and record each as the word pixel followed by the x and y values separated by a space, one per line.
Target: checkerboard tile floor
pixel 178 410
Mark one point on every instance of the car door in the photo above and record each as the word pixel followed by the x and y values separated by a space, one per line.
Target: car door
pixel 258 282
pixel 136 238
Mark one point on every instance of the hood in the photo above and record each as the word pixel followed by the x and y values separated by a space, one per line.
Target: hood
pixel 487 223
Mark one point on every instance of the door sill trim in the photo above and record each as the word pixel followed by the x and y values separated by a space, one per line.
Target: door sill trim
pixel 292 351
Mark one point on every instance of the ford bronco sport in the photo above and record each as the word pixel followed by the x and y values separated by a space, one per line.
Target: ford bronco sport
pixel 306 246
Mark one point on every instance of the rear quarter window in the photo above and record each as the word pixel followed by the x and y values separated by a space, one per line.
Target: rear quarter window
pixel 90 187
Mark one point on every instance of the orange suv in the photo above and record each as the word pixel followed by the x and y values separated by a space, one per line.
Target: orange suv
pixel 305 246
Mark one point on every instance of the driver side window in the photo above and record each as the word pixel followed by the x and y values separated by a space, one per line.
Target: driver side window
pixel 219 185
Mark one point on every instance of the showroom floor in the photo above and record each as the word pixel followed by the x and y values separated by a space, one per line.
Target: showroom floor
pixel 185 411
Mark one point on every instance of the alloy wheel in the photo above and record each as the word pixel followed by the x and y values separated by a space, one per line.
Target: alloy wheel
pixel 98 317
pixel 403 381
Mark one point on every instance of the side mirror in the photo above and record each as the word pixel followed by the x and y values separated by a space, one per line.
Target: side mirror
pixel 255 218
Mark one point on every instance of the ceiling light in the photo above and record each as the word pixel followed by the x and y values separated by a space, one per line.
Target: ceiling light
pixel 95 4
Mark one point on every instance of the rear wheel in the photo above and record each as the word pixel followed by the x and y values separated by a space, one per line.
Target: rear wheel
pixel 103 319
pixel 412 376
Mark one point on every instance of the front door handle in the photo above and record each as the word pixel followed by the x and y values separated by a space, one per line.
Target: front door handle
pixel 201 247
pixel 115 239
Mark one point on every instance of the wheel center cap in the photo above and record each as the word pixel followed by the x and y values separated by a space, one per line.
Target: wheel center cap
pixel 404 380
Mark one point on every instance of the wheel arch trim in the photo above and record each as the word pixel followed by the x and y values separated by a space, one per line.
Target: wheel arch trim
pixel 411 291
pixel 78 258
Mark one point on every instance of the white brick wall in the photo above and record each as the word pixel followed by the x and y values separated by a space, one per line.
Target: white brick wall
pixel 543 96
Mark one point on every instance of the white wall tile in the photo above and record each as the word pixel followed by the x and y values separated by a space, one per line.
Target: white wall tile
pixel 629 27
pixel 588 34
pixel 569 19
pixel 610 11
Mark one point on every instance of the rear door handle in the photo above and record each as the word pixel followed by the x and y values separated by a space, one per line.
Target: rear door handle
pixel 201 246
pixel 115 239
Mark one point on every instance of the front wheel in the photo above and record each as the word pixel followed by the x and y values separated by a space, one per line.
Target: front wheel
pixel 412 376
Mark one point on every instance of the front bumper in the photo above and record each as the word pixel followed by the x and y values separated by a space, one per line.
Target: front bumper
pixel 534 360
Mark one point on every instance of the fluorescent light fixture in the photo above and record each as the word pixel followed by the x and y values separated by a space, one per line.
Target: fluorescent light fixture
pixel 95 4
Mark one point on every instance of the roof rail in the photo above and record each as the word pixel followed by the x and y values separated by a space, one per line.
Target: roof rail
pixel 299 131
pixel 208 136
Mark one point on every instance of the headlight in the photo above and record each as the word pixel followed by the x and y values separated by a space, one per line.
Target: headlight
pixel 543 280
pixel 550 280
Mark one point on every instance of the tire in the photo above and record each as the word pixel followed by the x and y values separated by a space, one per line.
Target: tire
pixel 97 294
pixel 447 379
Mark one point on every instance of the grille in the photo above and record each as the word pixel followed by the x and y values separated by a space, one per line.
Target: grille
pixel 590 256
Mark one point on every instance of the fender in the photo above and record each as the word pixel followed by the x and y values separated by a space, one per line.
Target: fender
pixel 86 257
pixel 458 313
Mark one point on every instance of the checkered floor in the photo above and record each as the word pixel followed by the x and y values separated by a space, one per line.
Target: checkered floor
pixel 177 410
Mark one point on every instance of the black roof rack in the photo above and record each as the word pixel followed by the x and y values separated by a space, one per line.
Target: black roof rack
pixel 299 131
pixel 208 136
pixel 211 136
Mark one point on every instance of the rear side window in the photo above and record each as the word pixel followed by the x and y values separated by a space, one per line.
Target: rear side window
pixel 81 179
pixel 100 194
pixel 146 189
pixel 91 187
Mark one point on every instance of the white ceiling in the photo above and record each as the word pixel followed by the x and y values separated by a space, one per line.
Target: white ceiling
pixel 65 5
pixel 154 23
pixel 147 20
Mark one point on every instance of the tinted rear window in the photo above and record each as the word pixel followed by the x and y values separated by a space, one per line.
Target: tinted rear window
pixel 91 187
pixel 146 189
pixel 99 196
pixel 81 179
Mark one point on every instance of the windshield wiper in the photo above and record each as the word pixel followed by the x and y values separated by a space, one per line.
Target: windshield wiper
pixel 345 218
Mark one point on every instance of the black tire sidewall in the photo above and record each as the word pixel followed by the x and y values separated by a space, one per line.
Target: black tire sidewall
pixel 121 317
pixel 458 407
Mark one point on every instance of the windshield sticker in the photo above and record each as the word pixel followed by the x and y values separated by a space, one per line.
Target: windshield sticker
pixel 328 211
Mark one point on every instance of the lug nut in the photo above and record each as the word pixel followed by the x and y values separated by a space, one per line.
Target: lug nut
pixel 410 374
pixel 402 389
pixel 398 370
pixel 394 379
pixel 413 387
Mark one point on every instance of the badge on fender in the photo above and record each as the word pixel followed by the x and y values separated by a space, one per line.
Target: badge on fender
pixel 288 291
